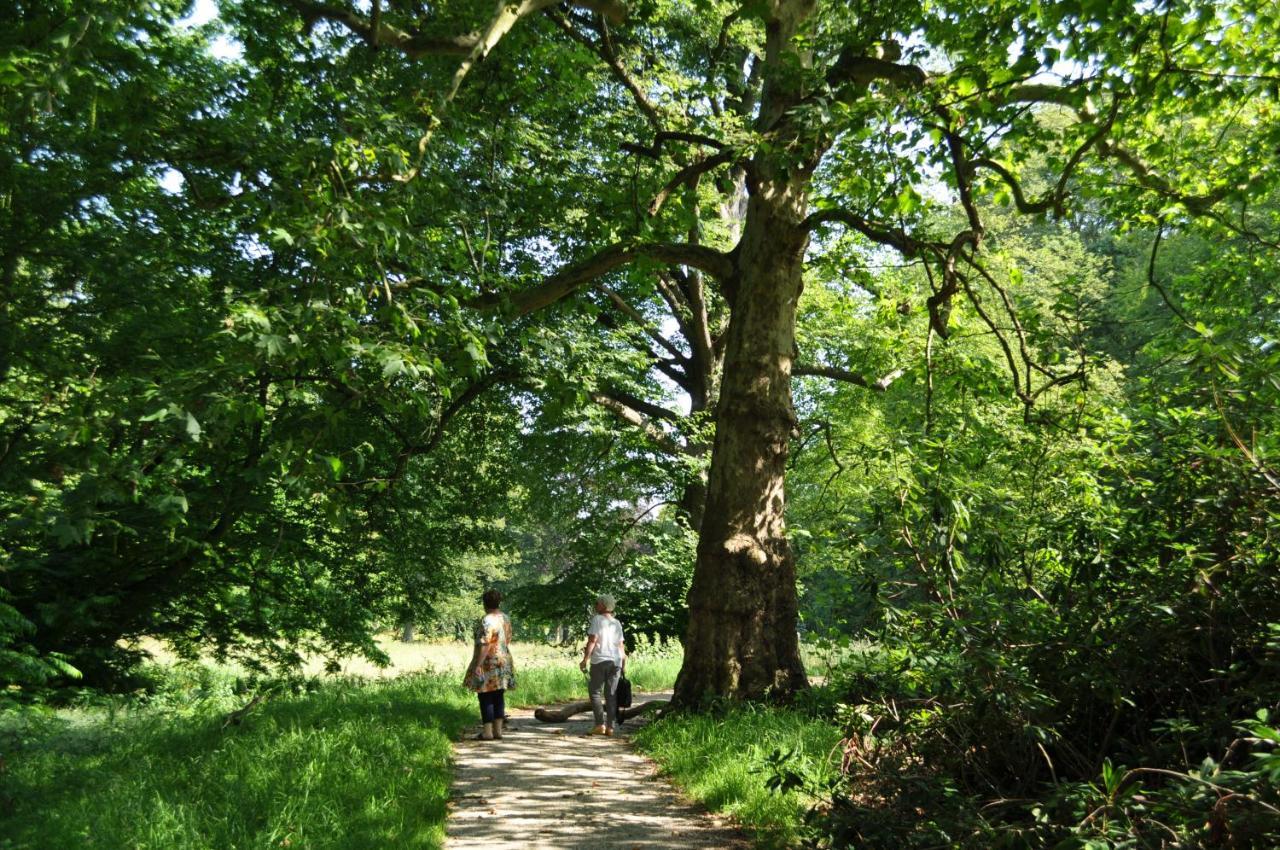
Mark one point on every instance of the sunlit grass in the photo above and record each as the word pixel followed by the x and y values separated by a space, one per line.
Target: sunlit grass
pixel 720 760
pixel 351 765
pixel 343 763
pixel 546 685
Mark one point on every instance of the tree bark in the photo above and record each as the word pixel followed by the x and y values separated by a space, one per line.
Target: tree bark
pixel 742 642
pixel 742 604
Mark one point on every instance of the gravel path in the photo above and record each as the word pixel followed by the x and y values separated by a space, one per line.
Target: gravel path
pixel 548 785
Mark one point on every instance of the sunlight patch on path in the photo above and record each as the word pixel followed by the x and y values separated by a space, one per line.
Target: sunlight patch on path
pixel 549 786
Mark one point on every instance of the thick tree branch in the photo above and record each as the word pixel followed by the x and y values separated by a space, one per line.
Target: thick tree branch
pixel 752 88
pixel 379 33
pixel 1072 97
pixel 687 174
pixel 695 291
pixel 939 303
pixel 722 41
pixel 633 417
pixel 655 150
pixel 1055 200
pixel 1019 198
pixel 864 70
pixel 671 294
pixel 674 370
pixel 648 408
pixel 576 275
pixel 1146 176
pixel 474 47
pixel 880 384
pixel 961 169
pixel 905 245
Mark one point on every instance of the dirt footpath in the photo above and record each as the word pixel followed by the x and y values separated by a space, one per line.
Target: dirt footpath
pixel 547 785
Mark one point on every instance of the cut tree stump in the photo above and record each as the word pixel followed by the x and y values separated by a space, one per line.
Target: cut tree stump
pixel 560 714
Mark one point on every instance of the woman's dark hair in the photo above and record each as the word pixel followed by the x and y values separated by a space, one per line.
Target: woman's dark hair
pixel 492 599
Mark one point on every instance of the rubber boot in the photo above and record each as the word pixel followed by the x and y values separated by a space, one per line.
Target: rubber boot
pixel 497 728
pixel 487 733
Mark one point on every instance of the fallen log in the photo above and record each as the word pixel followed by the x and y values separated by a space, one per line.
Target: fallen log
pixel 559 714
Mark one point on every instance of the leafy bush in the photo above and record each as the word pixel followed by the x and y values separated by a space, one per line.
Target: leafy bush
pixel 24 671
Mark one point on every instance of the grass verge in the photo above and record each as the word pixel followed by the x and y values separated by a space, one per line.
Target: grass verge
pixel 350 765
pixel 724 760
pixel 342 763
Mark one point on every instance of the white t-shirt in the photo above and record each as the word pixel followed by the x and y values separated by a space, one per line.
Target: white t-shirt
pixel 608 633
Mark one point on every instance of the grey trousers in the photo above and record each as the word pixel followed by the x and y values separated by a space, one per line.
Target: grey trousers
pixel 604 691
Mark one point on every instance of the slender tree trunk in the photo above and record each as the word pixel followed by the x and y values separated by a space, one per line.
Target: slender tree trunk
pixel 693 497
pixel 692 503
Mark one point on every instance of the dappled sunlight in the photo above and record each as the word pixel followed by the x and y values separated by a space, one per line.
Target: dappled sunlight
pixel 553 786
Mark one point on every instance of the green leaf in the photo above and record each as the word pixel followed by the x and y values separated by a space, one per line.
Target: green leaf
pixel 335 464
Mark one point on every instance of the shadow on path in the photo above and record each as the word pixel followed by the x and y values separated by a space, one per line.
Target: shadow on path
pixel 552 786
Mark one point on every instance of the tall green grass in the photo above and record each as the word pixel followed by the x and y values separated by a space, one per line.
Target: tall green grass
pixel 341 763
pixel 722 759
pixel 351 765
pixel 563 683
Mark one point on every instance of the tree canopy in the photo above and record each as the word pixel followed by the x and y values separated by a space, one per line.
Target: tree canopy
pixel 304 305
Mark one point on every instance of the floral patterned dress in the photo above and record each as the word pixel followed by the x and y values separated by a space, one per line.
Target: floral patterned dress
pixel 493 636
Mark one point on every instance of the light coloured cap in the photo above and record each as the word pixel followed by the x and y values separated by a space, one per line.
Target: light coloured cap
pixel 606 601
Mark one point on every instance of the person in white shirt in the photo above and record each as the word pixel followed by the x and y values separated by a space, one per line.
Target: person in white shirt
pixel 606 652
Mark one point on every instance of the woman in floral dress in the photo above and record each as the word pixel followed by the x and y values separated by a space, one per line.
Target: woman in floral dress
pixel 491 672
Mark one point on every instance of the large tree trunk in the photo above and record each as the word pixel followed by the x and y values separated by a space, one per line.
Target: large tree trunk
pixel 741 640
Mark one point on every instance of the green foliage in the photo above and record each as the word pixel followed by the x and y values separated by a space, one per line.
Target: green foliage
pixel 22 667
pixel 1092 585
pixel 216 391
pixel 262 388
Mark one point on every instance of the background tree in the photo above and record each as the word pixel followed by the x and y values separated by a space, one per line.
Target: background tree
pixel 192 445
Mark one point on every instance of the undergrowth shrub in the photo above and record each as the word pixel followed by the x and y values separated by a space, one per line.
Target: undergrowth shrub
pixel 994 743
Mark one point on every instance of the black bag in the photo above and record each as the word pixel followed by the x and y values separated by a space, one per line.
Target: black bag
pixel 624 691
